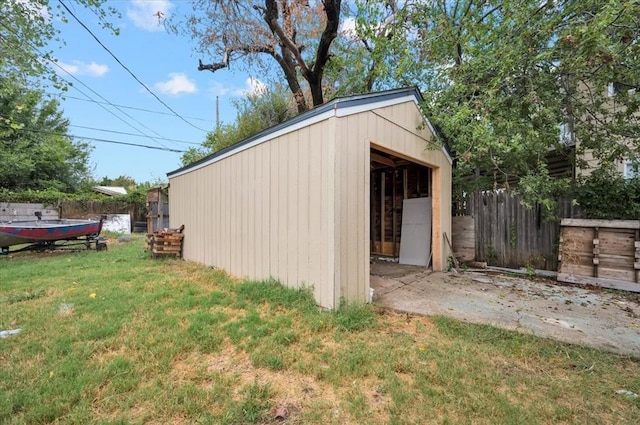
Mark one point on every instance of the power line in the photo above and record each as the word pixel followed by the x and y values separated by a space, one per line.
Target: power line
pixel 51 133
pixel 127 69
pixel 131 134
pixel 65 96
pixel 90 89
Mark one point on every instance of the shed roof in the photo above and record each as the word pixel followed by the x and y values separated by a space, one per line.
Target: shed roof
pixel 339 106
pixel 110 190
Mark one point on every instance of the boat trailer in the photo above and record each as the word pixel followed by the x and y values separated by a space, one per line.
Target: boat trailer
pixel 51 235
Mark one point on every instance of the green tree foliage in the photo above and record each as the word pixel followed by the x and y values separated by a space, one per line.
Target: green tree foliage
pixel 35 152
pixel 605 194
pixel 256 112
pixel 501 77
pixel 26 28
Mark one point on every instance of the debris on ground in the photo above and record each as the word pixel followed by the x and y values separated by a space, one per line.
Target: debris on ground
pixel 5 334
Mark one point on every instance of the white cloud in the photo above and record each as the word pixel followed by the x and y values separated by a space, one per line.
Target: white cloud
pixel 177 83
pixel 149 14
pixel 253 87
pixel 82 68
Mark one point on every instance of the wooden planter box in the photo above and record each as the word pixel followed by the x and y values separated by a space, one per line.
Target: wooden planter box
pixel 165 242
pixel 600 252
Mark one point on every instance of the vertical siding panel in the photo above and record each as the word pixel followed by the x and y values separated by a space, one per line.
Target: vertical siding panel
pixel 362 173
pixel 201 190
pixel 236 216
pixel 331 220
pixel 292 211
pixel 283 207
pixel 212 216
pixel 244 213
pixel 303 234
pixel 258 211
pixel 248 209
pixel 344 183
pixel 317 229
pixel 274 199
pixel 225 229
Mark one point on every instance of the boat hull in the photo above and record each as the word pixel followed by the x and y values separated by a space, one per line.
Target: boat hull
pixel 21 232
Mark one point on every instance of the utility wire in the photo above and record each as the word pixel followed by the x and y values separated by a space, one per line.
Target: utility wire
pixel 93 91
pixel 51 133
pixel 131 134
pixel 66 96
pixel 127 69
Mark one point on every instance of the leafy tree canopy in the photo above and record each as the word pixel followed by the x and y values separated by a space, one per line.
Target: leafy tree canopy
pixel 256 112
pixel 36 153
pixel 26 28
pixel 501 77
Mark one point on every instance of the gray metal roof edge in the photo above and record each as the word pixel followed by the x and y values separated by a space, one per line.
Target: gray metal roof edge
pixel 335 103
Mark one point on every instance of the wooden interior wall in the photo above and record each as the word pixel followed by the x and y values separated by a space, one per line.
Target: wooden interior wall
pixel 397 184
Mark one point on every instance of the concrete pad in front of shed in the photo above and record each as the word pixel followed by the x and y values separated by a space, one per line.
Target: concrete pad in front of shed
pixel 593 317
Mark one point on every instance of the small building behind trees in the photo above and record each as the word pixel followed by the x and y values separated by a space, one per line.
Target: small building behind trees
pixel 309 201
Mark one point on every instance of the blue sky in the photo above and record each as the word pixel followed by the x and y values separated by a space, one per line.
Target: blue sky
pixel 163 62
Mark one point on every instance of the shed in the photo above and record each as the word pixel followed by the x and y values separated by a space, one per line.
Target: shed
pixel 309 201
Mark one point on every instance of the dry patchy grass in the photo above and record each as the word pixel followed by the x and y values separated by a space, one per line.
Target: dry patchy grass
pixel 174 342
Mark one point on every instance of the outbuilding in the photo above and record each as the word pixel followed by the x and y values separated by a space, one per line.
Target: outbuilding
pixel 309 202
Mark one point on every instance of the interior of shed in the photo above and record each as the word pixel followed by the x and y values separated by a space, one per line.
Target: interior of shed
pixel 393 179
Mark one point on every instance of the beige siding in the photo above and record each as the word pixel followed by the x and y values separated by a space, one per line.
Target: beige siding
pixel 263 212
pixel 399 130
pixel 296 207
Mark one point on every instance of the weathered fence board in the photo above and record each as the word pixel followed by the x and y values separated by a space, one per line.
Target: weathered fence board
pixel 13 211
pixel 506 232
pixel 463 237
pixel 94 209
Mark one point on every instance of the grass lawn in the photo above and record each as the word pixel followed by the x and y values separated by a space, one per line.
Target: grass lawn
pixel 118 337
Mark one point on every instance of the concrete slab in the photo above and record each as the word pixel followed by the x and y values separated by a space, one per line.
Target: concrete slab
pixel 593 317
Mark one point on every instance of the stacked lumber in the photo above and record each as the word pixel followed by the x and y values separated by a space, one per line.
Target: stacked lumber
pixel 165 242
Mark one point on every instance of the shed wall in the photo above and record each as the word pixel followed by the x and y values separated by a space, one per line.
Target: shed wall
pixel 297 207
pixel 265 211
pixel 398 129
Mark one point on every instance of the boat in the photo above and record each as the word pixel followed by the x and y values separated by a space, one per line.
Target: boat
pixel 45 233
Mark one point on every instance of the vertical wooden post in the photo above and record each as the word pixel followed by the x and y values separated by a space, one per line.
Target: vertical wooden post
pixel 393 212
pixel 160 219
pixel 636 264
pixel 382 217
pixel 405 189
pixel 596 250
pixel 372 211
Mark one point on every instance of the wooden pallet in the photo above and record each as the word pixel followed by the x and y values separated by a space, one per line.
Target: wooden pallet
pixel 166 242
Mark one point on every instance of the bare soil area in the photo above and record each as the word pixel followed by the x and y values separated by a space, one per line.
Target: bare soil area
pixel 603 319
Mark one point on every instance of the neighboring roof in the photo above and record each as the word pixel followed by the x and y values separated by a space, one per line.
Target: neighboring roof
pixel 110 190
pixel 339 106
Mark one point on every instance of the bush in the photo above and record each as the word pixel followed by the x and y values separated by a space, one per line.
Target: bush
pixel 605 194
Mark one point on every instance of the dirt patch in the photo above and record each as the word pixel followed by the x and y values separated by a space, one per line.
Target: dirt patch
pixel 586 316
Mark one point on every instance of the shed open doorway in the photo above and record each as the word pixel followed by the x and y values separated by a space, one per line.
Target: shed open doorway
pixel 401 209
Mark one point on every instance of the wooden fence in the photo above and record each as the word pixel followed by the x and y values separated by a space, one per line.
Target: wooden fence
pixel 16 211
pixel 507 233
pixel 94 209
